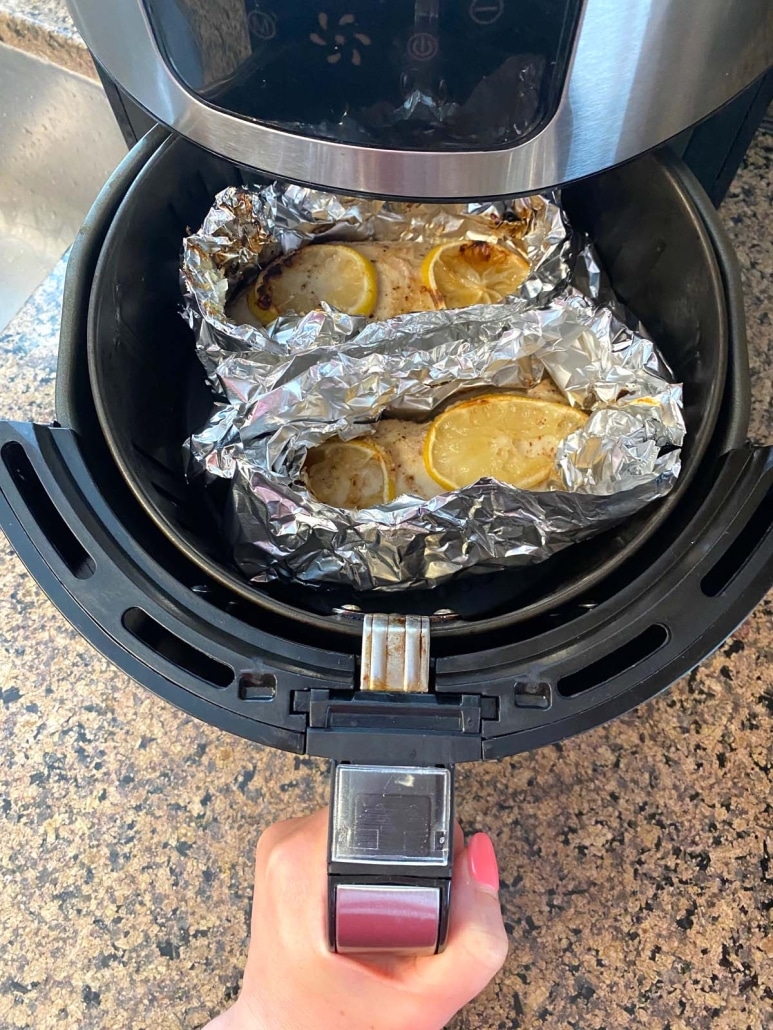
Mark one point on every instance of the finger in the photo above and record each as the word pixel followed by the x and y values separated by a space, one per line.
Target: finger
pixel 477 931
pixel 458 838
pixel 273 835
pixel 291 877
pixel 477 940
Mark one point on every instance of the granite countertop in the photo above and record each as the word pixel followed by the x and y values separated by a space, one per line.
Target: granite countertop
pixel 637 860
pixel 44 28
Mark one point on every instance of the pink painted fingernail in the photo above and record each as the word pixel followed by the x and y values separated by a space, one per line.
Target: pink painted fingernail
pixel 483 862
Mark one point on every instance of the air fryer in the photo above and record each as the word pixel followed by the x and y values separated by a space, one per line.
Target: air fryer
pixel 97 505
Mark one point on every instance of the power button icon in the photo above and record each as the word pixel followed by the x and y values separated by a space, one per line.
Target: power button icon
pixel 422 46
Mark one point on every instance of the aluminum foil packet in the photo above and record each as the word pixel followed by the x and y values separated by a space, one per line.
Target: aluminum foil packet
pixel 284 389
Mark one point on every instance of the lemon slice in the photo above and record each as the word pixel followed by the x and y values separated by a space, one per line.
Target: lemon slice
pixel 299 282
pixel 473 272
pixel 509 437
pixel 350 474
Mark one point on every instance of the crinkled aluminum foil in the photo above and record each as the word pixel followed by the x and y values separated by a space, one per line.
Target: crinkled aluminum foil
pixel 288 388
pixel 248 228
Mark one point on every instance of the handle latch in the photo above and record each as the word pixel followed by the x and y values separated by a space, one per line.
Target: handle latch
pixel 390 858
pixel 391 831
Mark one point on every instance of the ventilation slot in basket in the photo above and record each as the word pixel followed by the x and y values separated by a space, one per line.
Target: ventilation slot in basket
pixel 257 686
pixel 613 664
pixel 41 507
pixel 738 553
pixel 165 644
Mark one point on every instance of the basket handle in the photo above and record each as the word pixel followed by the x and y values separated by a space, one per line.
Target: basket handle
pixel 390 850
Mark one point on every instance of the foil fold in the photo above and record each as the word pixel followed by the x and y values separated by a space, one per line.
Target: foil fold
pixel 282 390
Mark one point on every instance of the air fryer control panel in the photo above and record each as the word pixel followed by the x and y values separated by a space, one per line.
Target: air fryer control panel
pixel 423 74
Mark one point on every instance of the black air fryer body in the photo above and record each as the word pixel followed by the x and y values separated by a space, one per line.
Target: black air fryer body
pixel 516 662
pixel 97 505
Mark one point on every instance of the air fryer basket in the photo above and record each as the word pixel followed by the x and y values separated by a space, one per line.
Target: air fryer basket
pixel 249 669
pixel 150 393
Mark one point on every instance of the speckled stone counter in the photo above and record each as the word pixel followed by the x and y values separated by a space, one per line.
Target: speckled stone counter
pixel 637 868
pixel 44 28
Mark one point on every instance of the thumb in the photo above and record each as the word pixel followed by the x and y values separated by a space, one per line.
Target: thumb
pixel 477 940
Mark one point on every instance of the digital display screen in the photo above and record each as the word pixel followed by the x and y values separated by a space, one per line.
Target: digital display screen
pixel 421 74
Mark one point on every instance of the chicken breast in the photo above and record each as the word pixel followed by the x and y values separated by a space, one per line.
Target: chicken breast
pixel 403 441
pixel 398 272
pixel 546 390
pixel 399 288
pixel 402 444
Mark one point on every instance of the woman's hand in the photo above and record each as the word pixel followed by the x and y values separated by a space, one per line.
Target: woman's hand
pixel 292 981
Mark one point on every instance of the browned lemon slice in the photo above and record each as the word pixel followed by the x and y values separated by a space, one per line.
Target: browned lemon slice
pixel 299 282
pixel 473 272
pixel 510 437
pixel 349 474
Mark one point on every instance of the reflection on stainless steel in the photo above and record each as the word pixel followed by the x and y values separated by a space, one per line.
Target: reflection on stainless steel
pixel 641 72
pixel 308 379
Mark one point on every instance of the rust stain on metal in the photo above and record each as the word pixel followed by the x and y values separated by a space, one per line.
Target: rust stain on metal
pixel 395 654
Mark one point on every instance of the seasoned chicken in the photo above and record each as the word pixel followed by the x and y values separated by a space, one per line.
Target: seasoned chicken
pixel 404 441
pixel 381 280
pixel 396 459
pixel 378 280
pixel 398 274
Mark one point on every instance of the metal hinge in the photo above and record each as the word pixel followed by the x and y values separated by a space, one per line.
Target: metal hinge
pixel 395 654
pixel 394 713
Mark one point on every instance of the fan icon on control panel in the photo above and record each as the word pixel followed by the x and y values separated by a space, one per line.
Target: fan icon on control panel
pixel 342 40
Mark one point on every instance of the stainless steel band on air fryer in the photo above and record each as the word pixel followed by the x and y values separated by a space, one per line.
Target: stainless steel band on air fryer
pixel 636 73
